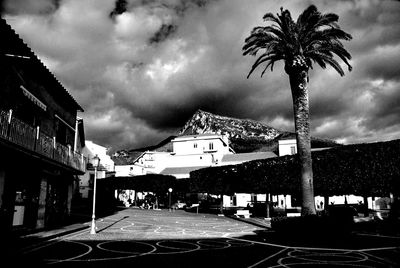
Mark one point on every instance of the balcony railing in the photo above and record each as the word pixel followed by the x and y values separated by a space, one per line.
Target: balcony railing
pixel 18 132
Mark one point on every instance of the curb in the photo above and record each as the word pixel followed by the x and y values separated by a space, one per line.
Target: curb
pixel 38 239
pixel 248 221
pixel 51 234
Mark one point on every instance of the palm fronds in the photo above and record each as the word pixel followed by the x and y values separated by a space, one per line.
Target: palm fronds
pixel 314 36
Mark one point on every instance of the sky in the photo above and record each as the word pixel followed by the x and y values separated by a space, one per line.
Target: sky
pixel 141 68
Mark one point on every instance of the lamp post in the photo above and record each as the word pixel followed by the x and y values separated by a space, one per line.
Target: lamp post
pixel 95 162
pixel 169 198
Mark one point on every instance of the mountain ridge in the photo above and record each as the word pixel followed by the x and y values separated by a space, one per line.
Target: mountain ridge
pixel 206 122
pixel 245 135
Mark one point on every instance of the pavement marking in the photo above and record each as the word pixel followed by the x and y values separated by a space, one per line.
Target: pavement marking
pixel 221 231
pixel 177 247
pixel 267 258
pixel 184 250
pixel 380 259
pixel 378 235
pixel 50 242
pixel 376 249
pixel 75 257
pixel 260 243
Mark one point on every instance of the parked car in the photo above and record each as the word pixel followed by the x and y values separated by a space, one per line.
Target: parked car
pixel 179 205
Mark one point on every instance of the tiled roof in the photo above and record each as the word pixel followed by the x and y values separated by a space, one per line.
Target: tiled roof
pixel 247 156
pixel 180 170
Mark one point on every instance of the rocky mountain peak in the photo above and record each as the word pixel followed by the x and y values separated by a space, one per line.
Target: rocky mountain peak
pixel 205 122
pixel 245 135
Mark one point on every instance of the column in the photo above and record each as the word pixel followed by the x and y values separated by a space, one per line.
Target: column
pixel 2 180
pixel 42 204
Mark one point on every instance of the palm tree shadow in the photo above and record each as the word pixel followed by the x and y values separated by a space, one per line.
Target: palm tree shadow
pixel 102 229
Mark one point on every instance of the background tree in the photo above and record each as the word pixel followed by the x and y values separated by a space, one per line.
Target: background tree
pixel 313 38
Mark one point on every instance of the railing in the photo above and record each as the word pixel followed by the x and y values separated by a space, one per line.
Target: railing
pixel 16 131
pixel 3 124
pixel 22 134
pixel 45 145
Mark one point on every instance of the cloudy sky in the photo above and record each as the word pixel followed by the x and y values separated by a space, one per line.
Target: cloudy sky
pixel 140 69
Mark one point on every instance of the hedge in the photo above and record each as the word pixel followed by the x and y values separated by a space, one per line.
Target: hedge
pixel 361 169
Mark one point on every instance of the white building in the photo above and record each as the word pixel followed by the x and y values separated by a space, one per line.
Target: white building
pixel 188 153
pixel 287 147
pixel 202 144
pixel 191 153
pixel 106 168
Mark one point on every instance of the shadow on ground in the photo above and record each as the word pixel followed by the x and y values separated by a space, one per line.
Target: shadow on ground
pixel 267 249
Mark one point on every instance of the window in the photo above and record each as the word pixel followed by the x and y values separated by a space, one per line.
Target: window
pixel 195 145
pixel 211 146
pixel 292 149
pixel 61 132
pixel 64 132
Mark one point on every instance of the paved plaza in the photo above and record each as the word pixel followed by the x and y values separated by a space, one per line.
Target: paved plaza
pixel 151 238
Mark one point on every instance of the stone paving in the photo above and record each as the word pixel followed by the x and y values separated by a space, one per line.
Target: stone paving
pixel 181 239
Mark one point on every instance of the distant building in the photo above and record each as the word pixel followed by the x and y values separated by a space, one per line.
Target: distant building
pixel 191 153
pixel 40 139
pixel 105 170
pixel 287 147
pixel 188 153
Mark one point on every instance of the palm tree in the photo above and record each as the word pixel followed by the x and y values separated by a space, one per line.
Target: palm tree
pixel 313 38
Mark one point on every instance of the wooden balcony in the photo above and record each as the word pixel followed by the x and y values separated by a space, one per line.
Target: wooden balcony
pixel 32 139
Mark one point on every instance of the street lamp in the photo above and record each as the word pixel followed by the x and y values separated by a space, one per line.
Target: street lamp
pixel 95 162
pixel 169 197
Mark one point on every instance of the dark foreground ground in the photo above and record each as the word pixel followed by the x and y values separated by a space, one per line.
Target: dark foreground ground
pixel 159 238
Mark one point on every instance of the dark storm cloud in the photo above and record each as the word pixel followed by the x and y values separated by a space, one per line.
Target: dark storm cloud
pixel 385 111
pixel 327 106
pixel 16 7
pixel 163 33
pixel 120 7
pixel 141 74
pixel 385 64
pixel 373 23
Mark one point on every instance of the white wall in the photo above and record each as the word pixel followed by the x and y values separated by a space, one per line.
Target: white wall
pixel 155 162
pixel 227 201
pixel 184 154
pixel 287 147
pixel 89 151
pixel 129 170
pixel 373 202
pixel 190 160
pixel 242 200
pixel 200 144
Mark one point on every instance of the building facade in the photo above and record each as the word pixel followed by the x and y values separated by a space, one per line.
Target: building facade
pixel 105 170
pixel 188 153
pixel 191 153
pixel 40 139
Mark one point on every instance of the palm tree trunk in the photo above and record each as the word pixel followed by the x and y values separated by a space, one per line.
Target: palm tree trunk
pixel 298 83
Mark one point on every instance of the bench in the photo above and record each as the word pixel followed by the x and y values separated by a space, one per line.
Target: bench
pixel 293 212
pixel 193 206
pixel 243 213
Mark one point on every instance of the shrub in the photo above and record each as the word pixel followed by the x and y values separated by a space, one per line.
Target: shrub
pixel 312 225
